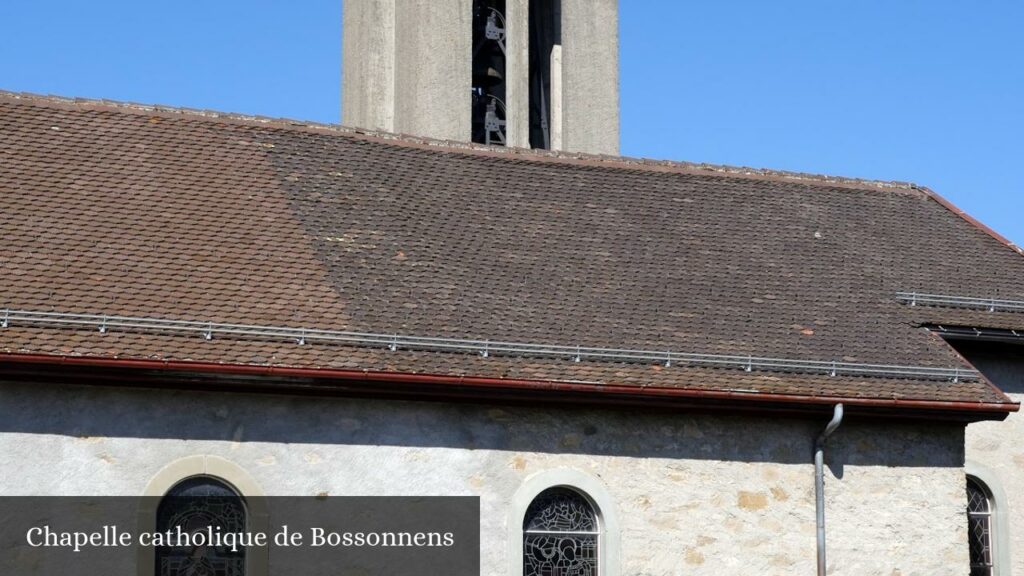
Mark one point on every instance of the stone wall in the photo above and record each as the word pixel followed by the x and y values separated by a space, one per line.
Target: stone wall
pixel 997 448
pixel 693 494
pixel 995 451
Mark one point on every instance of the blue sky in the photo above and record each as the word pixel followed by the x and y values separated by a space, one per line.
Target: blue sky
pixel 930 91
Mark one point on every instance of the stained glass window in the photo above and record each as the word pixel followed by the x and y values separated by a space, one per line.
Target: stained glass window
pixel 979 528
pixel 196 506
pixel 561 535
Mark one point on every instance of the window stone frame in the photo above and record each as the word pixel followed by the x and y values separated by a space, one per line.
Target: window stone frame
pixel 608 551
pixel 257 561
pixel 989 480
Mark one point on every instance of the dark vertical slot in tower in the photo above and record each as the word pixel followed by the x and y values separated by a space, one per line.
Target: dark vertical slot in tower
pixel 489 72
pixel 545 33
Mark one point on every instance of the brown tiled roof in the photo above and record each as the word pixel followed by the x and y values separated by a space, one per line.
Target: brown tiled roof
pixel 120 209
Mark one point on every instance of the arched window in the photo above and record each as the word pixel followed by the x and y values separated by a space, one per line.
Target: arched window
pixel 979 528
pixel 197 505
pixel 561 535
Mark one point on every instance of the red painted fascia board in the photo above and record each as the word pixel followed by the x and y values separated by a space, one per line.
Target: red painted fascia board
pixel 607 390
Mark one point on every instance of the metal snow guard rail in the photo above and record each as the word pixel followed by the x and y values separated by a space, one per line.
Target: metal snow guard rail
pixel 484 348
pixel 990 304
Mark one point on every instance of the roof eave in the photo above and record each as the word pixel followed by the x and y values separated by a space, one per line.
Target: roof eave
pixel 404 385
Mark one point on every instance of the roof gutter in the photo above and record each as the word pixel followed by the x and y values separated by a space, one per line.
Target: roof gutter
pixel 629 394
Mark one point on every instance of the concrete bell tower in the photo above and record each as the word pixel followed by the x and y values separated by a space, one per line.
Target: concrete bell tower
pixel 523 73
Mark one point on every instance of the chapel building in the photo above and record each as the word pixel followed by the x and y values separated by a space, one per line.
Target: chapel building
pixel 466 291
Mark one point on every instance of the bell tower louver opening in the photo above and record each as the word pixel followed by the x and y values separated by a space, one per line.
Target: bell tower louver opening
pixel 545 73
pixel 489 67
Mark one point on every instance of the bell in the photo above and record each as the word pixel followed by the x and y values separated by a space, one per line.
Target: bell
pixel 487 71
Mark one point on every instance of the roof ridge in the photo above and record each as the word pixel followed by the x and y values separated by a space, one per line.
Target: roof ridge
pixel 577 158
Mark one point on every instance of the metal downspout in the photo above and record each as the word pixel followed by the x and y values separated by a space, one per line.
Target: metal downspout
pixel 819 482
